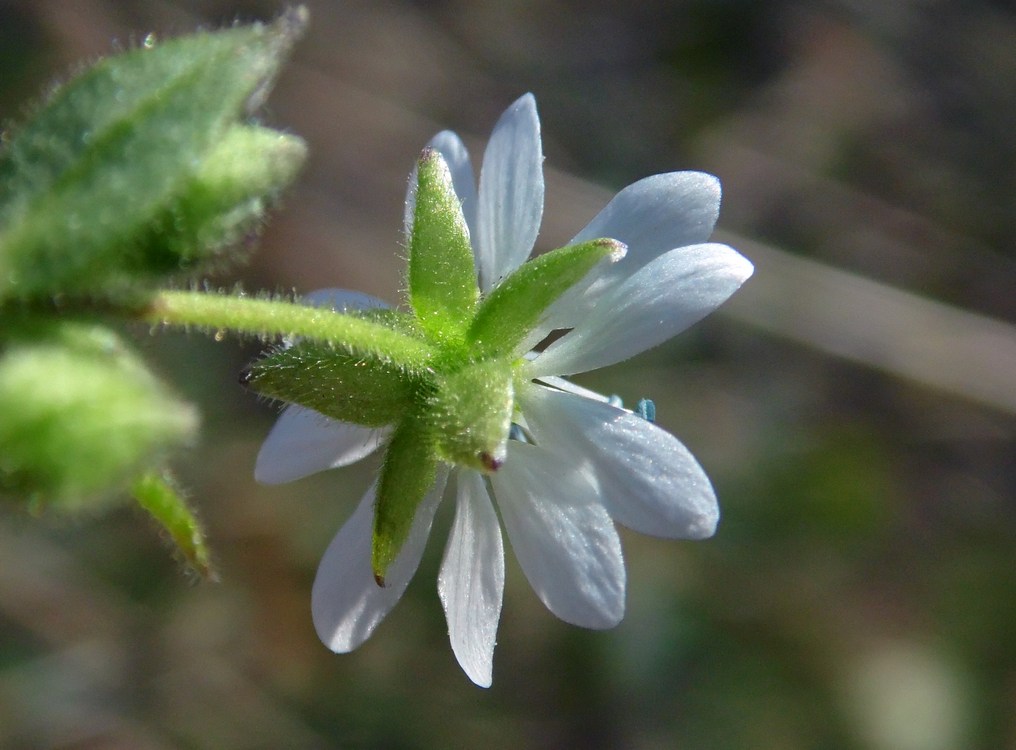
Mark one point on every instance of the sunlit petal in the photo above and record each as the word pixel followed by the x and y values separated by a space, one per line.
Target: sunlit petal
pixel 662 299
pixel 511 193
pixel 563 537
pixel 647 479
pixel 471 582
pixel 303 442
pixel 346 602
pixel 652 216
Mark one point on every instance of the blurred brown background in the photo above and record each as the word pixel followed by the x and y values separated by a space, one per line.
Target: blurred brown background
pixel 854 404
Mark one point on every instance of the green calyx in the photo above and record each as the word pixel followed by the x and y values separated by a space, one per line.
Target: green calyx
pixel 442 376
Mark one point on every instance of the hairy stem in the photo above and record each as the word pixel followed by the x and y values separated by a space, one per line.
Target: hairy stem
pixel 266 317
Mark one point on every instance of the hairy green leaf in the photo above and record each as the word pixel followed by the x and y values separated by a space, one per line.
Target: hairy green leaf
pixel 224 201
pixel 157 494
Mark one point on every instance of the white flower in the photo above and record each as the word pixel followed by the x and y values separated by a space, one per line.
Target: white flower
pixel 589 463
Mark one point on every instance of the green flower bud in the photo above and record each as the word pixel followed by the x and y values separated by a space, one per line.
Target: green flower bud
pixel 225 200
pixel 102 173
pixel 80 416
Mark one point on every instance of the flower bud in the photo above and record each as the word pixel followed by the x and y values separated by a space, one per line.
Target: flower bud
pixel 132 164
pixel 225 200
pixel 80 416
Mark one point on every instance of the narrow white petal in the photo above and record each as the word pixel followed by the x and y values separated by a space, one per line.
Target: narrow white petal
pixel 454 152
pixel 659 301
pixel 652 216
pixel 648 480
pixel 303 442
pixel 471 582
pixel 346 602
pixel 511 193
pixel 563 537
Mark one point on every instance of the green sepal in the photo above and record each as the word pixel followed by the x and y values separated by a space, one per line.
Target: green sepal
pixel 442 277
pixel 407 474
pixel 508 314
pixel 80 416
pixel 365 390
pixel 82 183
pixel 157 494
pixel 225 201
pixel 471 412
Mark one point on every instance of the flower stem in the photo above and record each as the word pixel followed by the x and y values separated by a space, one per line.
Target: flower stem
pixel 271 317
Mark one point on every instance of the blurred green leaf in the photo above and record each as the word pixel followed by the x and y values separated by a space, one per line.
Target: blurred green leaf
pixel 225 200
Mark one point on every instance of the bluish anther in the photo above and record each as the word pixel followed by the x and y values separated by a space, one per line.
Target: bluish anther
pixel 646 409
pixel 515 432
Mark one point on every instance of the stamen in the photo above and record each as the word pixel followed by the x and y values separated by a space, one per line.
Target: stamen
pixel 646 409
pixel 515 432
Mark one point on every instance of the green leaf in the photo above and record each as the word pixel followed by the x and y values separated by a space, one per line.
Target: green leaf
pixel 80 416
pixel 470 410
pixel 407 474
pixel 353 388
pixel 516 305
pixel 442 278
pixel 112 149
pixel 164 503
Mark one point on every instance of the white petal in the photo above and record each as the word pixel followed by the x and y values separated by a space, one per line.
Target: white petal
pixel 346 602
pixel 562 536
pixel 471 582
pixel 342 300
pixel 456 156
pixel 511 193
pixel 652 216
pixel 303 442
pixel 657 214
pixel 648 480
pixel 659 301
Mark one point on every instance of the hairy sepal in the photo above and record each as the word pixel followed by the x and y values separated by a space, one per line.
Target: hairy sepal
pixel 407 474
pixel 441 273
pixel 514 308
pixel 365 389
